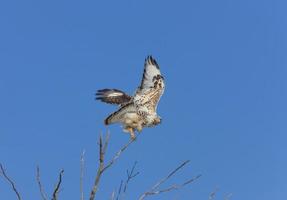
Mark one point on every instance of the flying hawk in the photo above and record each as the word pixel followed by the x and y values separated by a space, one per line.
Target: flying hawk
pixel 138 111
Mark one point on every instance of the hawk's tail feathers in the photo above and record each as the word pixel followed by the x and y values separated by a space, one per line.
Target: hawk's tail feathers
pixel 112 96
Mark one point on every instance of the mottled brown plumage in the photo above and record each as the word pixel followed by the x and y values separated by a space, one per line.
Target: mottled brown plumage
pixel 140 110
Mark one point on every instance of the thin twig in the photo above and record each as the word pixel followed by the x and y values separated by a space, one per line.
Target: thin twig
pixel 57 188
pixel 82 165
pixel 154 190
pixel 228 196
pixel 102 150
pixel 130 176
pixel 113 195
pixel 118 154
pixel 212 194
pixel 120 190
pixel 102 167
pixel 42 191
pixel 10 181
pixel 170 175
pixel 174 187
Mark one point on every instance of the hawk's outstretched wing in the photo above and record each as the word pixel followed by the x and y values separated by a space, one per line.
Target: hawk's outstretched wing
pixel 113 96
pixel 119 115
pixel 152 84
pixel 151 74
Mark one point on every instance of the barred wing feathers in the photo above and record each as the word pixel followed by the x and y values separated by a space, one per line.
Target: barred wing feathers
pixel 119 115
pixel 113 96
pixel 152 84
pixel 151 73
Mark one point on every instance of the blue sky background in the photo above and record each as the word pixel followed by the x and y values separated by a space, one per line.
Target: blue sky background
pixel 224 107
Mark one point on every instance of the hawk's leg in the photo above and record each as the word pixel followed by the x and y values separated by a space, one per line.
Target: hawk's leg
pixel 132 133
pixel 139 128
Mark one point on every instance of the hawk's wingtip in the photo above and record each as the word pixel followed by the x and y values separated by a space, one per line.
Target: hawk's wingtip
pixel 150 60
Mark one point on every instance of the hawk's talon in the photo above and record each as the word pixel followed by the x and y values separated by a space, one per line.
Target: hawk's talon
pixel 132 133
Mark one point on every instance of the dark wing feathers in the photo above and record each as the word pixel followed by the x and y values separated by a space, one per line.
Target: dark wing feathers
pixel 112 96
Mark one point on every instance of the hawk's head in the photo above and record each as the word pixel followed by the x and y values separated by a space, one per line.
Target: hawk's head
pixel 157 120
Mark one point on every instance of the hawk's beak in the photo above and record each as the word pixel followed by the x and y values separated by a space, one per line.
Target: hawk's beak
pixel 158 120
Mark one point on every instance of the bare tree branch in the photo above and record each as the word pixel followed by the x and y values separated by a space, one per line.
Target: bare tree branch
pixel 154 190
pixel 102 151
pixel 174 187
pixel 102 167
pixel 112 195
pixel 10 181
pixel 120 190
pixel 118 154
pixel 228 196
pixel 42 191
pixel 123 188
pixel 212 194
pixel 130 176
pixel 82 164
pixel 170 175
pixel 57 188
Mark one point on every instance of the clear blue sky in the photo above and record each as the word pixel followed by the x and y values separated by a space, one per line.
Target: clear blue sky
pixel 224 107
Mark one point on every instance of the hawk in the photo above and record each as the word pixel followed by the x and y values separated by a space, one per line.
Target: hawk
pixel 137 111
